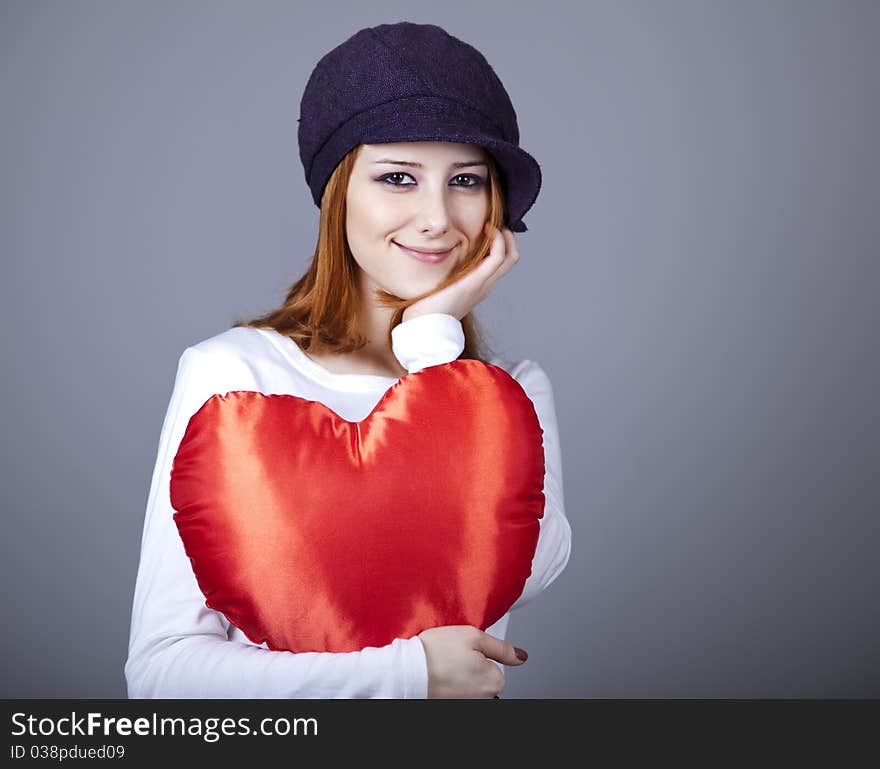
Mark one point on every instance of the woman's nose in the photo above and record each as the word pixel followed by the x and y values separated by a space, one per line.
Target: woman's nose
pixel 434 214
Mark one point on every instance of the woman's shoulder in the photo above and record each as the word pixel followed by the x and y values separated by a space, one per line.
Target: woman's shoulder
pixel 240 357
pixel 236 342
pixel 522 370
pixel 530 375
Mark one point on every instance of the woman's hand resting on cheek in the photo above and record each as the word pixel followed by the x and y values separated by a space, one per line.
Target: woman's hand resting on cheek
pixel 459 665
pixel 460 297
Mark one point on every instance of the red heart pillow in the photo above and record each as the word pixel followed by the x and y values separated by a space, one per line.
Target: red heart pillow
pixel 313 533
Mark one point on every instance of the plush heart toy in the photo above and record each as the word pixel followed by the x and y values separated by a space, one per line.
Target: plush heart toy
pixel 313 533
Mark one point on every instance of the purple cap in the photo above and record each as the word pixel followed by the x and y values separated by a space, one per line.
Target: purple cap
pixel 412 82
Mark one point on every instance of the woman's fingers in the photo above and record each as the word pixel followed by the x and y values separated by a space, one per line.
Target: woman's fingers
pixel 512 253
pixel 490 263
pixel 503 255
pixel 507 242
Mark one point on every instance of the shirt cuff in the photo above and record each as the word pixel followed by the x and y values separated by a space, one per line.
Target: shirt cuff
pixel 427 340
pixel 415 669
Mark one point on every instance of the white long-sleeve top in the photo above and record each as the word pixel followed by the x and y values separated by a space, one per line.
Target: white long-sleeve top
pixel 178 647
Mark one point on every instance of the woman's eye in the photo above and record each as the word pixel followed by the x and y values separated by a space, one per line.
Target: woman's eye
pixel 472 179
pixel 387 179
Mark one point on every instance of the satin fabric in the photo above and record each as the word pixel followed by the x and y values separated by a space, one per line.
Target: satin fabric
pixel 312 533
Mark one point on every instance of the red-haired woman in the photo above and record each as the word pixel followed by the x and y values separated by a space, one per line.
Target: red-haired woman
pixel 420 184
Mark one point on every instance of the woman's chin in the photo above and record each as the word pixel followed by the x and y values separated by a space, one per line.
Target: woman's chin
pixel 412 289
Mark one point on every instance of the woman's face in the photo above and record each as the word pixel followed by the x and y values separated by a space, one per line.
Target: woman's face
pixel 422 195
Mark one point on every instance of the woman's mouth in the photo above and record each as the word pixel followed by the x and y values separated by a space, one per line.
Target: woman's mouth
pixel 427 258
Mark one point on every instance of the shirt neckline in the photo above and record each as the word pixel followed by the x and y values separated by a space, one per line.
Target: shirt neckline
pixel 317 372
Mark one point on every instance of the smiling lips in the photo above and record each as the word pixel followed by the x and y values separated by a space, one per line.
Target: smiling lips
pixel 429 256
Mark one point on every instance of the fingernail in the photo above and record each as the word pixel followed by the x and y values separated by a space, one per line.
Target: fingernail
pixel 521 653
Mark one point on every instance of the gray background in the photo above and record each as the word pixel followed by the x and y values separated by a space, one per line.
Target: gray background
pixel 699 281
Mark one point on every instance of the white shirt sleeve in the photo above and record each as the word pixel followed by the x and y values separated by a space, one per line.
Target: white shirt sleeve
pixel 427 340
pixel 554 540
pixel 179 648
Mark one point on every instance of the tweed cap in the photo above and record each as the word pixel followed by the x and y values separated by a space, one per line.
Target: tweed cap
pixel 412 82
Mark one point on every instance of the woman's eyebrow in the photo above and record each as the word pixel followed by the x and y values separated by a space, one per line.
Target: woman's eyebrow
pixel 409 163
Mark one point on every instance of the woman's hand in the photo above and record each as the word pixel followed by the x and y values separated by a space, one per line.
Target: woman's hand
pixel 459 664
pixel 467 292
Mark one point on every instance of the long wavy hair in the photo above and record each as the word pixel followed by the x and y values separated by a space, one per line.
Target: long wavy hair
pixel 320 311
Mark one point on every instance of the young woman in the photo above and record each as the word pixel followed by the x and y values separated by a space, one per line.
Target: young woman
pixel 410 149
